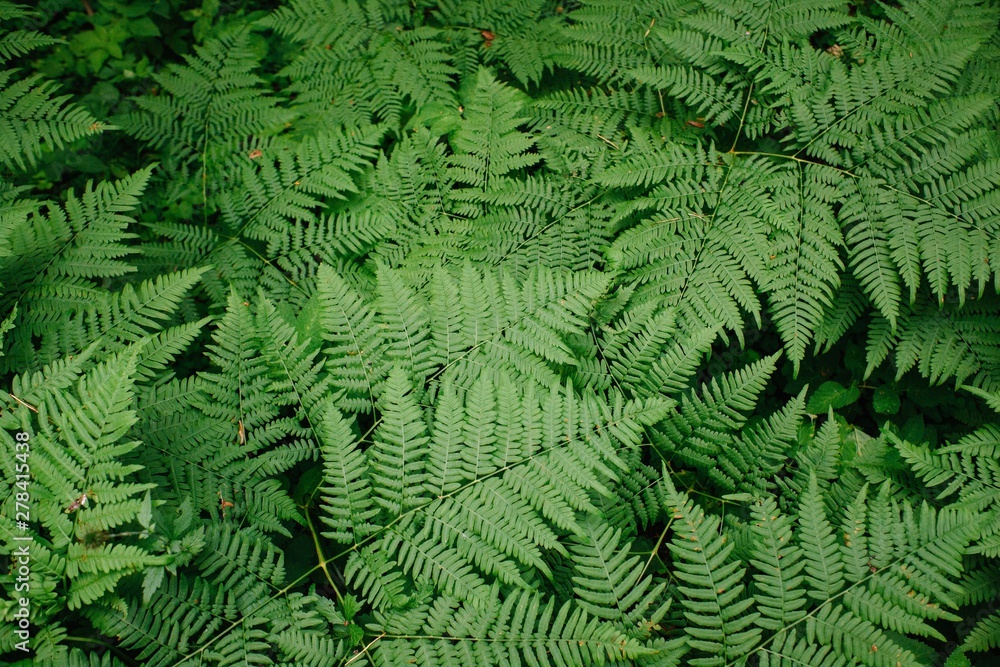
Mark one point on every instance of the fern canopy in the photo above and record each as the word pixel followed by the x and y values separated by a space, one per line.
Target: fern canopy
pixel 465 332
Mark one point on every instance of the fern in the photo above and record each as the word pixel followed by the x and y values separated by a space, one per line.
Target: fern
pixel 524 624
pixel 33 117
pixel 188 117
pixel 609 584
pixel 710 586
pixel 487 145
pixel 501 333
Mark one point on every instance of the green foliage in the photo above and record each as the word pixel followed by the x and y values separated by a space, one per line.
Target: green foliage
pixel 500 333
pixel 32 116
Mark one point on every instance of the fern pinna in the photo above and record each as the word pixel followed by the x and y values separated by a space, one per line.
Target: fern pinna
pixel 460 332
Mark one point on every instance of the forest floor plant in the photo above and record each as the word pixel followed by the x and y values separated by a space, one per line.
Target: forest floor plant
pixel 500 332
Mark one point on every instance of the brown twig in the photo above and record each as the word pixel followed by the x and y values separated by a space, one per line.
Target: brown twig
pixel 25 403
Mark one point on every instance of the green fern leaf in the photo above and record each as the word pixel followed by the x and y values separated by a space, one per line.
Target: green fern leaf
pixel 711 590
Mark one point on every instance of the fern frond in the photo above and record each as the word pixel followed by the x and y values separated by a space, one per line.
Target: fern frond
pixel 821 558
pixel 720 626
pixel 609 584
pixel 347 503
pixel 32 116
pixel 943 343
pixel 85 239
pixel 488 144
pixel 703 429
pixel 805 264
pixel 184 613
pixel 355 360
pixel 243 563
pixel 778 566
pixel 525 627
pixel 284 186
pixel 984 636
pixel 209 106
pixel 871 257
pixel 400 445
pixel 405 325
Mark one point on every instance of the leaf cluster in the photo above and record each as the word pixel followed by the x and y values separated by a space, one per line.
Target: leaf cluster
pixel 501 333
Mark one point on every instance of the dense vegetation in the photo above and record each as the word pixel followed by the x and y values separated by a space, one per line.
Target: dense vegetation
pixel 474 332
